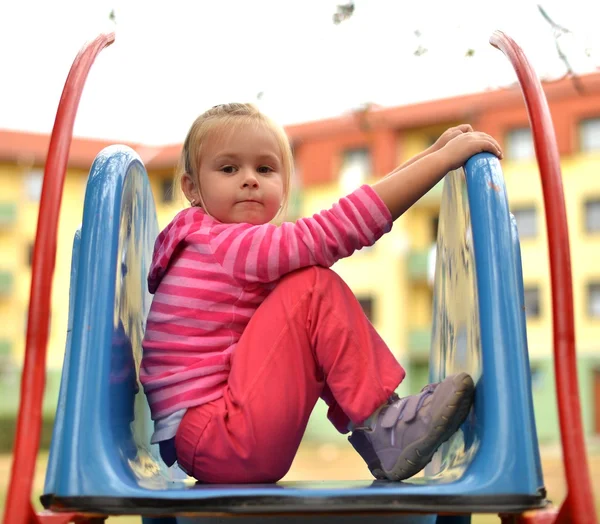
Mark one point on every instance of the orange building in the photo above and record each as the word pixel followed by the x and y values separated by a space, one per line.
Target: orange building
pixel 391 279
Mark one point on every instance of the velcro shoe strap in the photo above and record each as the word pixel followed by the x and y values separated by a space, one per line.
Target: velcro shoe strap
pixel 390 417
pixel 405 409
pixel 412 408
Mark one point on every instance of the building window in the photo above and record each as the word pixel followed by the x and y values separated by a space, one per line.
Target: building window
pixel 430 140
pixel 537 377
pixel 366 303
pixel 589 134
pixel 356 167
pixel 526 218
pixel 166 191
pixel 34 179
pixel 532 301
pixel 592 215
pixel 519 144
pixel 593 300
pixel 434 224
pixel 30 248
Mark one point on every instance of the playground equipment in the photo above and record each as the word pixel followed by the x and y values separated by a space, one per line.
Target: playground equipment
pixel 101 462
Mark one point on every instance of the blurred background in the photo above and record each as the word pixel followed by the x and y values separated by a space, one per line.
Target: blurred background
pixel 361 87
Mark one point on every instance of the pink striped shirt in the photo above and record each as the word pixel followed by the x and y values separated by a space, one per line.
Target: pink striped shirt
pixel 208 278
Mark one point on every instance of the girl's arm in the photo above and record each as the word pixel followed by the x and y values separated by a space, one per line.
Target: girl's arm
pixel 412 160
pixel 444 138
pixel 403 187
pixel 264 253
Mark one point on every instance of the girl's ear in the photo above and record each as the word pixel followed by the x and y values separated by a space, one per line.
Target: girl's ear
pixel 189 188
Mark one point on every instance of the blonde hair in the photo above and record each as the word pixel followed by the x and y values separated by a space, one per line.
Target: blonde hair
pixel 225 118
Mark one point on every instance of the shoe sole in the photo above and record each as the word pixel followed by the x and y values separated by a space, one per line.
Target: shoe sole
pixel 417 455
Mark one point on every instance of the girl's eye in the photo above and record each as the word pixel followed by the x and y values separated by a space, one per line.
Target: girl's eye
pixel 228 169
pixel 265 170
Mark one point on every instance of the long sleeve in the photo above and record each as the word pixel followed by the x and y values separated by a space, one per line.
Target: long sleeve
pixel 264 253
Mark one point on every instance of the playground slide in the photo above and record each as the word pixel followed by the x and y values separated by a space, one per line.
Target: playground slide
pixel 107 463
pixel 101 462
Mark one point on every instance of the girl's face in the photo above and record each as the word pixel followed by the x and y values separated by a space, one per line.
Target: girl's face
pixel 240 176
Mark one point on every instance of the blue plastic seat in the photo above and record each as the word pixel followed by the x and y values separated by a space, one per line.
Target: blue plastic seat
pixel 101 460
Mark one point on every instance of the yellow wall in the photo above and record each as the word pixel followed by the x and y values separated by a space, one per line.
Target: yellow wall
pixel 580 181
pixel 418 220
pixel 524 189
pixel 14 243
pixel 165 212
pixel 377 271
pixel 401 304
pixel 12 326
pixel 15 239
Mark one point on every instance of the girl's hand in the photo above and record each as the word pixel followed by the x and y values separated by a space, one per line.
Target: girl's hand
pixel 444 138
pixel 449 134
pixel 463 146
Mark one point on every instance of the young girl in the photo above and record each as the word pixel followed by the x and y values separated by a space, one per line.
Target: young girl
pixel 248 327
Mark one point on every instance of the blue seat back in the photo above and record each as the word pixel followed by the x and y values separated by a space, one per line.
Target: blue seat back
pixel 479 327
pixel 100 395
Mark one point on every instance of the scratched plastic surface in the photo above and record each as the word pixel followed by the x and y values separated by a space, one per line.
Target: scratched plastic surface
pixel 101 443
pixel 455 336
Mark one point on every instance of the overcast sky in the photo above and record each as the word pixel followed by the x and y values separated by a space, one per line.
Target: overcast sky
pixel 173 59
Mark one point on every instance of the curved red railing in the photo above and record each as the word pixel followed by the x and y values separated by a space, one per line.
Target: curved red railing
pixel 19 509
pixel 578 507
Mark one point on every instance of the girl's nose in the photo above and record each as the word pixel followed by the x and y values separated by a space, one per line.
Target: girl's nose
pixel 249 178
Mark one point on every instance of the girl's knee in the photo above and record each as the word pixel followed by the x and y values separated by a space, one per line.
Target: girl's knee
pixel 312 275
pixel 306 282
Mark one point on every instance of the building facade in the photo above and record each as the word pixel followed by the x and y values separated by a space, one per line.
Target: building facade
pixel 392 279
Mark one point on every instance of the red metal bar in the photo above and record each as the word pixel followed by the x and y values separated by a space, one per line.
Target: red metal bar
pixel 27 439
pixel 48 517
pixel 541 516
pixel 580 498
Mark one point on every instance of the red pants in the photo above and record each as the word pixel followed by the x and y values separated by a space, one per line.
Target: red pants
pixel 309 339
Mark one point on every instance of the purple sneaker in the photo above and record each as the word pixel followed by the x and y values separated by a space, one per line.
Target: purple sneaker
pixel 408 431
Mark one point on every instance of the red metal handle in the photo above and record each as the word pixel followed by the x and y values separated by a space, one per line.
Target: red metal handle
pixel 27 439
pixel 578 507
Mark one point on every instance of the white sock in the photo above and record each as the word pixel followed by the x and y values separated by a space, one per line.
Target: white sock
pixel 368 423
